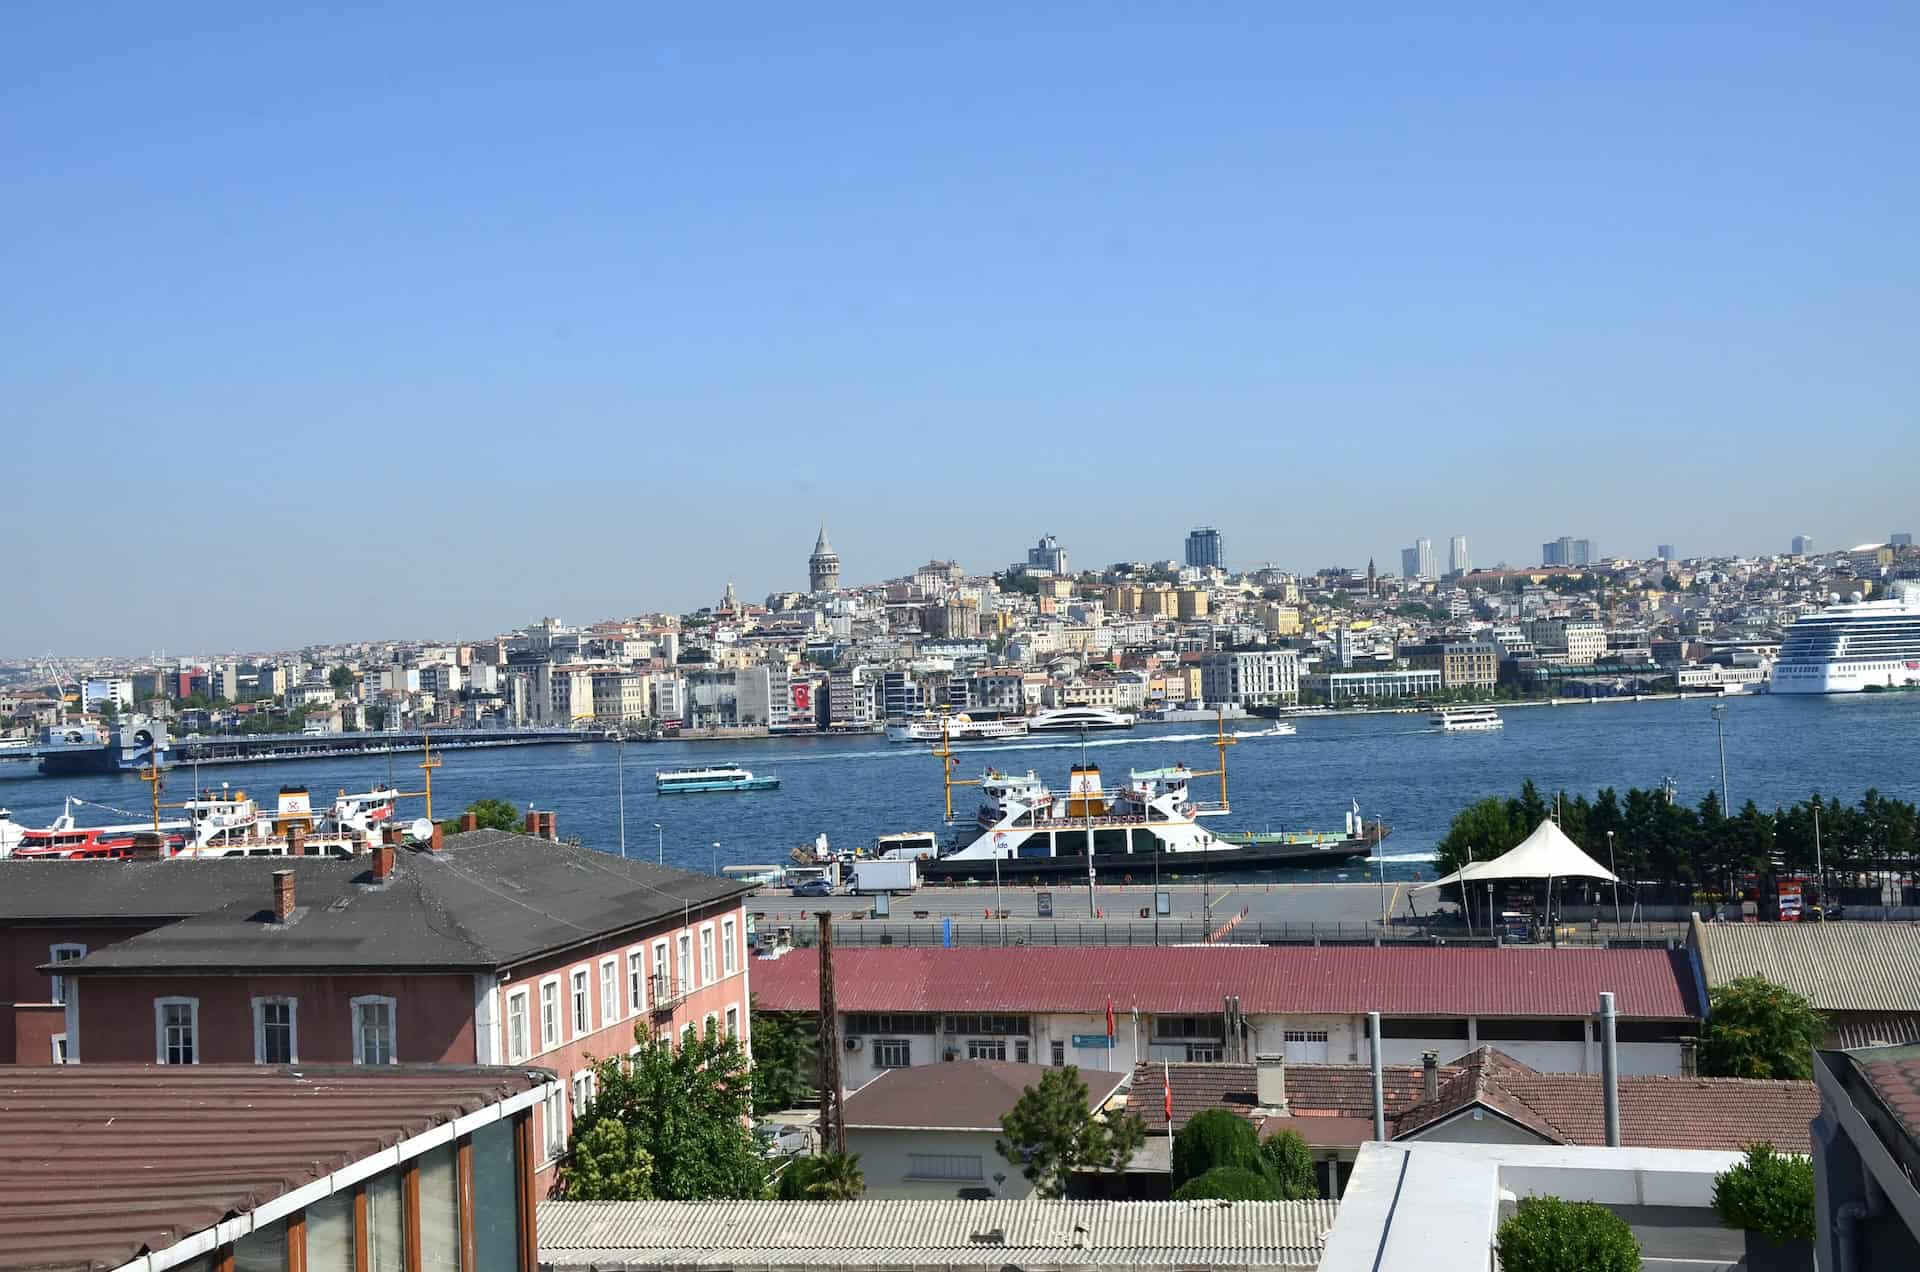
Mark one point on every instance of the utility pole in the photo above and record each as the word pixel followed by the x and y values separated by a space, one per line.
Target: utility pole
pixel 620 768
pixel 1819 863
pixel 833 1121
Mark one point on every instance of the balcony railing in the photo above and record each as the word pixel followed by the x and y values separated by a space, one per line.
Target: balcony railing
pixel 668 992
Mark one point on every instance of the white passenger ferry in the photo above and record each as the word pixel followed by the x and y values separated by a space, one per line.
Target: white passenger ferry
pixel 1853 646
pixel 955 728
pixel 1467 719
pixel 713 777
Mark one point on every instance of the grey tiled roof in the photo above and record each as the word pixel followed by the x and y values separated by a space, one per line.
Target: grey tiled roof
pixel 491 899
pixel 928 1234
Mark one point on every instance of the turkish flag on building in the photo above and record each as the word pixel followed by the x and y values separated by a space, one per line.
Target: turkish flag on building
pixel 1109 1020
pixel 1166 1077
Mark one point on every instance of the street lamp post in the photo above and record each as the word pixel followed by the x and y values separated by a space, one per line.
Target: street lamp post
pixel 1616 878
pixel 716 857
pixel 1720 727
pixel 620 768
pixel 1726 808
pixel 660 843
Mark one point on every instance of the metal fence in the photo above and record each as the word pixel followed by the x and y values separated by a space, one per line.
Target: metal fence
pixel 977 932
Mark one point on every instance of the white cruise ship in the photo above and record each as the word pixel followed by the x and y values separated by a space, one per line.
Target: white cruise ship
pixel 1853 646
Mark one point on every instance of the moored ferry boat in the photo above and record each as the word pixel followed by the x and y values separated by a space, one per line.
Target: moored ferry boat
pixel 955 728
pixel 1026 829
pixel 1853 646
pixel 1467 719
pixel 713 777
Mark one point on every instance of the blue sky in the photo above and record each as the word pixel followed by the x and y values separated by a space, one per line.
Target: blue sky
pixel 366 323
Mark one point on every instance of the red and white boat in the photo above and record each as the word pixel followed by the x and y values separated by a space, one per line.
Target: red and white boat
pixel 66 840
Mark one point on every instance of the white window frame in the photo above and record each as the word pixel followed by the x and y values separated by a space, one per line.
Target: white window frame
pixel 525 998
pixel 683 957
pixel 393 1024
pixel 160 1006
pixel 901 1047
pixel 64 952
pixel 637 980
pixel 583 1087
pixel 579 1002
pixel 707 939
pixel 61 1055
pixel 733 1020
pixel 550 1036
pixel 609 990
pixel 553 1124
pixel 260 1027
pixel 729 953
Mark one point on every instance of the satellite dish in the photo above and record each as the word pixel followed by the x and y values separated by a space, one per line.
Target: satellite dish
pixel 421 829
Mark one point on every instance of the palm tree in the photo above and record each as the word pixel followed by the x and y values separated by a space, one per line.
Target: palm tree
pixel 828 1177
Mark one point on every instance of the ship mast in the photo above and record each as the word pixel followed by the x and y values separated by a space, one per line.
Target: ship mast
pixel 428 762
pixel 949 760
pixel 1221 742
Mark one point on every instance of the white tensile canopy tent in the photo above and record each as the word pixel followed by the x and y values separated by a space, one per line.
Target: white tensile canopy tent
pixel 1545 854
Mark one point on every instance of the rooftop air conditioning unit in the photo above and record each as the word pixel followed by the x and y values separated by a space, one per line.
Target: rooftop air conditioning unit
pixel 853 1044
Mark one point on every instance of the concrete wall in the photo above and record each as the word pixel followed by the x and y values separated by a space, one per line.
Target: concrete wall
pixel 1476 1127
pixel 886 1159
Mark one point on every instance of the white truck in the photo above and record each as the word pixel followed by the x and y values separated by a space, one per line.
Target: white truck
pixel 870 876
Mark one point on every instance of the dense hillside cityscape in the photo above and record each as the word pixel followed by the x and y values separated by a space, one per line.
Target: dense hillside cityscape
pixel 1045 632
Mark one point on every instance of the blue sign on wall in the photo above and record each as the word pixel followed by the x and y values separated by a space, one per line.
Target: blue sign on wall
pixel 1092 1040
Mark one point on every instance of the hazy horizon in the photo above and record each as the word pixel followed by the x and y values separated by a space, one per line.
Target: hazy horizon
pixel 344 325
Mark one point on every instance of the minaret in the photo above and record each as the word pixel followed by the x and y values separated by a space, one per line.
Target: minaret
pixel 823 567
pixel 1373 586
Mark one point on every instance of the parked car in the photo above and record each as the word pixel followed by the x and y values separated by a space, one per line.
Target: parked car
pixel 814 888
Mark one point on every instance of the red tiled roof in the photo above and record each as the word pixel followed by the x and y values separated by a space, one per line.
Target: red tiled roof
pixel 1655 1112
pixel 1323 1092
pixel 1332 980
pixel 99 1162
pixel 1322 1132
pixel 965 1095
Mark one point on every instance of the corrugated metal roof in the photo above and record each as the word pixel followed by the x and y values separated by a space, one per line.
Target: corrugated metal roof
pixel 606 1234
pixel 1839 966
pixel 100 1162
pixel 1306 980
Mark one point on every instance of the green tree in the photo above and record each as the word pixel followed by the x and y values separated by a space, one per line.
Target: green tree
pixel 1052 1131
pixel 108 710
pixel 1212 1139
pixel 1768 1193
pixel 491 814
pixel 1483 829
pixel 1757 1029
pixel 1547 1234
pixel 608 1164
pixel 341 678
pixel 828 1177
pixel 686 1107
pixel 785 1051
pixel 1289 1166
pixel 1226 1183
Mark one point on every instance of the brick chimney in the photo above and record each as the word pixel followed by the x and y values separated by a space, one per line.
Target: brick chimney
pixel 282 895
pixel 296 841
pixel 469 822
pixel 1430 1071
pixel 547 826
pixel 533 822
pixel 382 863
pixel 437 840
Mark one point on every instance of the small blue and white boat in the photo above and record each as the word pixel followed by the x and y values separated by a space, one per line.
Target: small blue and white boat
pixel 716 777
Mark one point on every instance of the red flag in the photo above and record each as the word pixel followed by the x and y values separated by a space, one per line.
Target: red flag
pixel 1166 1076
pixel 1109 1020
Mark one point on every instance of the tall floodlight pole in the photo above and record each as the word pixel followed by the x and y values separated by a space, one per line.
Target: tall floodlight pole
pixel 660 843
pixel 620 769
pixel 1726 804
pixel 1616 878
